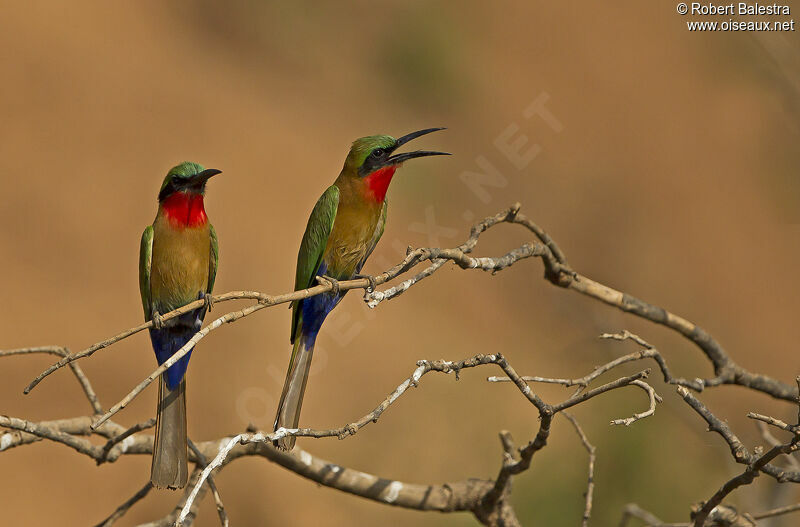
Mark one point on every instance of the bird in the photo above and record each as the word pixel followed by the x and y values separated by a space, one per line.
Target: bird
pixel 177 265
pixel 342 231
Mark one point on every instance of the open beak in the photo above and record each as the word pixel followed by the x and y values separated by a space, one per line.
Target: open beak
pixel 399 158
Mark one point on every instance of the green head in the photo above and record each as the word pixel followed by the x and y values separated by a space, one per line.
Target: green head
pixel 371 153
pixel 186 177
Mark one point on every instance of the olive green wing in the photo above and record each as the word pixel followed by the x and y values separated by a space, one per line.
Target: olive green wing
pixel 213 260
pixel 145 261
pixel 312 248
pixel 377 235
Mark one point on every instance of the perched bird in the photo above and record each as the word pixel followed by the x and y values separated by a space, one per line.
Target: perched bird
pixel 343 229
pixel 177 265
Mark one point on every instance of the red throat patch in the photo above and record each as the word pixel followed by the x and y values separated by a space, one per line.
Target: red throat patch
pixel 378 182
pixel 185 210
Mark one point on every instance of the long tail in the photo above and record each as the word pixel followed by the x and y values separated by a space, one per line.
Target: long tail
pixel 293 389
pixel 169 469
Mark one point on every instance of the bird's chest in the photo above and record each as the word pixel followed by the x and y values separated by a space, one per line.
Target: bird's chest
pixel 180 262
pixel 351 240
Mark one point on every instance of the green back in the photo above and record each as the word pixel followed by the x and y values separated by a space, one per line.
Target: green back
pixel 145 261
pixel 213 260
pixel 312 248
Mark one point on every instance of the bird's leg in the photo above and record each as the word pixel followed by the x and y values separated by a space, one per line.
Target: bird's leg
pixel 158 322
pixel 325 279
pixel 372 283
pixel 209 300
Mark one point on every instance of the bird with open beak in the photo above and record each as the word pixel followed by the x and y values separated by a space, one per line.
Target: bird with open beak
pixel 344 227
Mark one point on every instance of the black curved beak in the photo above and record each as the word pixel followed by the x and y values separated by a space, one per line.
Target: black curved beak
pixel 399 158
pixel 198 181
pixel 205 175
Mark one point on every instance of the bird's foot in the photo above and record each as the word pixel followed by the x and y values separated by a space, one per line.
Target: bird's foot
pixel 209 300
pixel 334 283
pixel 158 320
pixel 372 283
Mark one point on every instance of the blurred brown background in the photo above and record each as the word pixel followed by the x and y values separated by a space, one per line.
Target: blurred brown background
pixel 674 177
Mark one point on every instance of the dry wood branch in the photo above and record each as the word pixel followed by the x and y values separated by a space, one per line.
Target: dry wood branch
pixel 632 510
pixel 740 453
pixel 76 369
pixel 487 500
pixel 202 463
pixel 773 441
pixel 475 495
pixel 745 478
pixel 648 353
pixel 227 318
pixel 654 397
pixel 119 438
pixel 587 511
pixel 489 503
pixel 777 512
pixel 126 506
pixel 774 422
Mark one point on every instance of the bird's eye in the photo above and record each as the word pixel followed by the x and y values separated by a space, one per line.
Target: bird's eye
pixel 378 152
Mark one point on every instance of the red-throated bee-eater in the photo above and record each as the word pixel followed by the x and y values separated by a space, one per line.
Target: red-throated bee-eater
pixel 177 265
pixel 343 229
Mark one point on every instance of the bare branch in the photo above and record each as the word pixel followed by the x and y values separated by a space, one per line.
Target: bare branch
pixel 740 453
pixel 745 478
pixel 654 397
pixel 648 353
pixel 632 510
pixel 488 500
pixel 76 369
pixel 84 446
pixel 777 512
pixel 587 511
pixel 202 462
pixel 125 507
pixel 774 422
pixel 112 442
pixel 227 318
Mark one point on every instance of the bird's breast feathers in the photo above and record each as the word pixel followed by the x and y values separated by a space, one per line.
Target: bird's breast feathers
pixel 180 263
pixel 351 240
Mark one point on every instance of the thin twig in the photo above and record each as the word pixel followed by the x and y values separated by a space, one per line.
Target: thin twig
pixel 654 397
pixel 774 422
pixel 122 437
pixel 488 500
pixel 203 463
pixel 227 318
pixel 587 510
pixel 648 353
pixel 423 367
pixel 745 478
pixel 632 510
pixel 125 507
pixel 740 453
pixel 777 512
pixel 76 369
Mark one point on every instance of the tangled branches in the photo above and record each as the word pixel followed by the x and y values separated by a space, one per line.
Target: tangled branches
pixel 487 500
